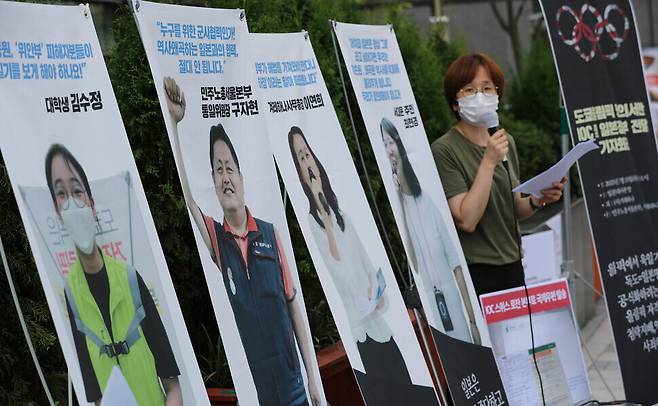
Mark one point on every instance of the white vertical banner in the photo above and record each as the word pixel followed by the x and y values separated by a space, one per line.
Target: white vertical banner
pixel 85 213
pixel 399 142
pixel 333 213
pixel 201 66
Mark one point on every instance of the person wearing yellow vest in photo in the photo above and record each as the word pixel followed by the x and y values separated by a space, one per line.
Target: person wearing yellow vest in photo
pixel 113 317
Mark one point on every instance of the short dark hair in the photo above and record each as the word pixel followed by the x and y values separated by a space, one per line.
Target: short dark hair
pixel 462 71
pixel 69 159
pixel 217 133
pixel 408 172
pixel 330 196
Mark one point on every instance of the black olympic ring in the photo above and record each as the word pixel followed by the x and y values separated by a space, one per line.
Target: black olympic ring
pixel 582 31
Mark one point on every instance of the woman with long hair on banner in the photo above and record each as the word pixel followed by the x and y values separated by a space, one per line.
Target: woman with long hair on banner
pixel 360 286
pixel 477 178
pixel 433 255
pixel 114 319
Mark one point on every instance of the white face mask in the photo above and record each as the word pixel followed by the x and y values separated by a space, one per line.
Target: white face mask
pixel 477 110
pixel 81 225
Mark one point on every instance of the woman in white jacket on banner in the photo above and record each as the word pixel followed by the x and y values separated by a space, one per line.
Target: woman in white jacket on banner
pixel 433 255
pixel 359 284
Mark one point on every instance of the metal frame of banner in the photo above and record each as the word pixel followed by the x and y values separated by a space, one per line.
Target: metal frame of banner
pixel 568 263
pixel 419 318
pixel 17 304
pixel 69 388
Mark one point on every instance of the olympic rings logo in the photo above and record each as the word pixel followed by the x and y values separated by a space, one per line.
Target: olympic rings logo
pixel 581 31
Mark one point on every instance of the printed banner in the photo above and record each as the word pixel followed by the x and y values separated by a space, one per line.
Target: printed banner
pixel 597 54
pixel 86 215
pixel 201 65
pixel 557 345
pixel 339 229
pixel 421 211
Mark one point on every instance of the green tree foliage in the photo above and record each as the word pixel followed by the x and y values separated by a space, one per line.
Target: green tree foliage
pixel 426 58
pixel 534 99
pixel 534 95
pixel 19 382
pixel 533 145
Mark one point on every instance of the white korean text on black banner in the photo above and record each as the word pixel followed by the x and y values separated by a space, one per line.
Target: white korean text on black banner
pixel 597 54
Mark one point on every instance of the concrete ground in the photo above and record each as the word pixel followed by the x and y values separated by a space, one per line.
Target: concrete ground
pixel 606 383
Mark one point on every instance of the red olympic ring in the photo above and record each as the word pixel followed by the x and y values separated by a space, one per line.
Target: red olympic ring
pixel 582 31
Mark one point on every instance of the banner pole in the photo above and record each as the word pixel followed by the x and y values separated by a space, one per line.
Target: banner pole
pixel 426 344
pixel 70 388
pixel 363 162
pixel 568 260
pixel 567 233
pixel 24 327
pixel 578 275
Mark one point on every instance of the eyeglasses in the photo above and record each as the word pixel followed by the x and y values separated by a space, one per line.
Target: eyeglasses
pixel 470 91
pixel 78 198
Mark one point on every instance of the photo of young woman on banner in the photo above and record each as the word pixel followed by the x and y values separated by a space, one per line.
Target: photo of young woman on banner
pixel 330 204
pixel 230 186
pixel 401 148
pixel 87 219
pixel 432 251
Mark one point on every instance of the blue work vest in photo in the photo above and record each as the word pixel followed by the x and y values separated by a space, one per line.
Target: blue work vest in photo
pixel 260 307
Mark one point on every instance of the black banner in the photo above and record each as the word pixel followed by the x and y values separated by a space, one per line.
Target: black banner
pixel 597 54
pixel 471 372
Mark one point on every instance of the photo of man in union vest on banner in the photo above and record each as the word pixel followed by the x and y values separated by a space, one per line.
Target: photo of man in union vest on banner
pixel 113 316
pixel 249 254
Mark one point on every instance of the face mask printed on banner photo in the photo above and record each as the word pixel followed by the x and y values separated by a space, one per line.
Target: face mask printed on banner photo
pixel 80 222
pixel 71 196
pixel 477 109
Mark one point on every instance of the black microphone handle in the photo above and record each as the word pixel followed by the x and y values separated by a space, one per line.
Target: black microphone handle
pixel 492 131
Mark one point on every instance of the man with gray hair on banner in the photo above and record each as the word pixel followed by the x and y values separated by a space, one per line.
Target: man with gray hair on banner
pixel 251 259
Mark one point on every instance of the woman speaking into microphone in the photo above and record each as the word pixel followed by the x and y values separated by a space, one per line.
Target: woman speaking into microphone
pixel 478 172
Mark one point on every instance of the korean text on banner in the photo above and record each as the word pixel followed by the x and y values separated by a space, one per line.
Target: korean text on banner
pixel 605 96
pixel 557 345
pixel 322 182
pixel 422 215
pixel 85 212
pixel 201 64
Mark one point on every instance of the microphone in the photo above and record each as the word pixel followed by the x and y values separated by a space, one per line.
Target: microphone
pixel 491 122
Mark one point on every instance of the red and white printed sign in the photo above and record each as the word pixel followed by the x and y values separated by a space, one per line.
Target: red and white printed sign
pixel 512 303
